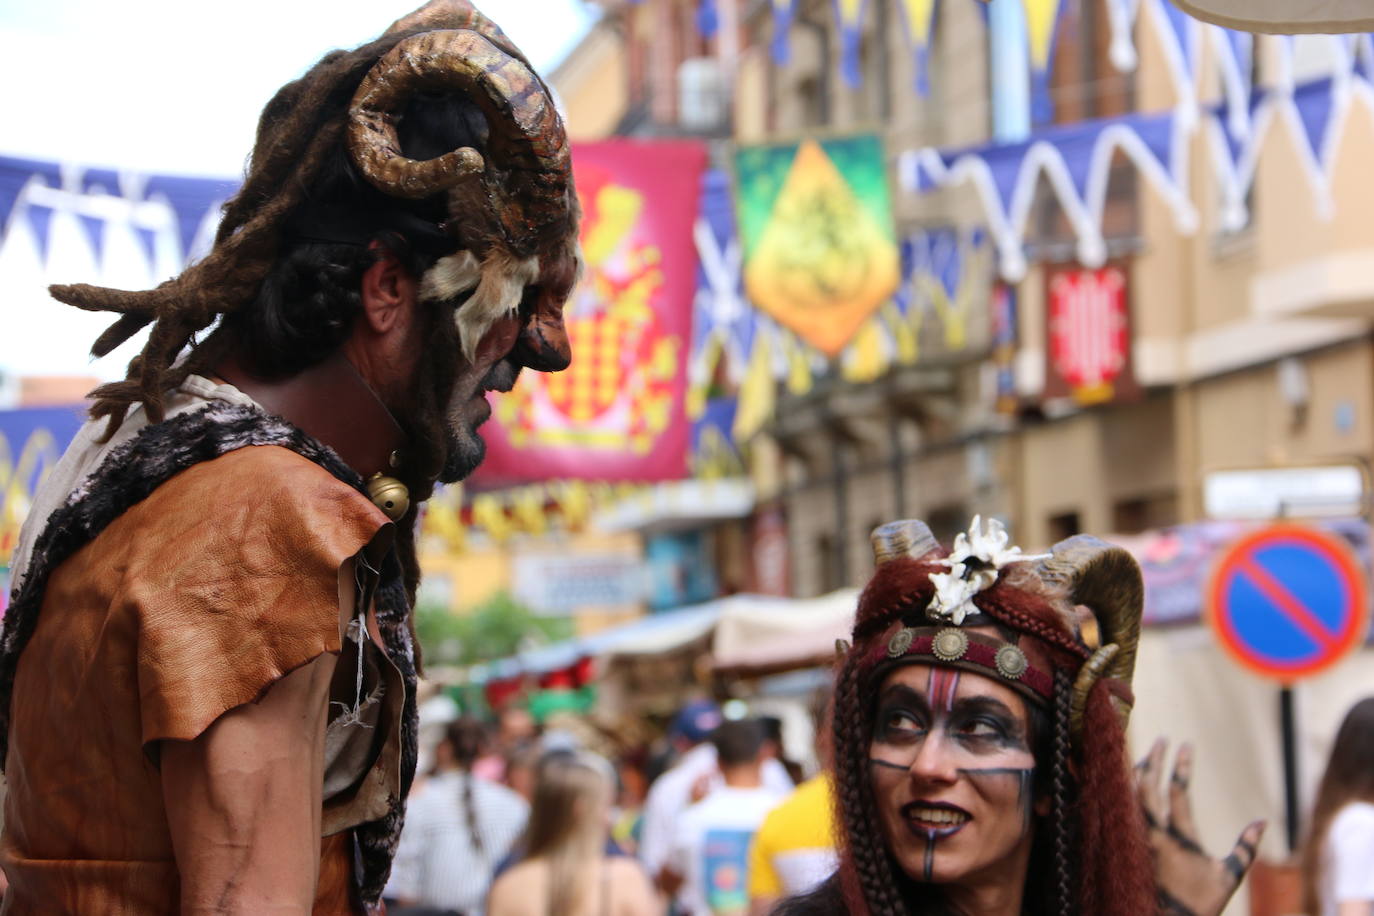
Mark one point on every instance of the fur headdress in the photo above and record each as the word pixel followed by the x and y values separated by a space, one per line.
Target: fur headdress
pixel 505 215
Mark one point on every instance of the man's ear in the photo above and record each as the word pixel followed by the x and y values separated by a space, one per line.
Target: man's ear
pixel 388 291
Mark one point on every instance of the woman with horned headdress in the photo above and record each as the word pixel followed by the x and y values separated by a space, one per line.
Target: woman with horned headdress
pixel 979 743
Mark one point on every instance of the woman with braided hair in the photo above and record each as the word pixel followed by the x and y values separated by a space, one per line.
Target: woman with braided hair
pixel 457 830
pixel 979 742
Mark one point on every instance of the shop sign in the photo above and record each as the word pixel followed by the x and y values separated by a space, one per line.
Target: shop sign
pixel 1313 491
pixel 564 583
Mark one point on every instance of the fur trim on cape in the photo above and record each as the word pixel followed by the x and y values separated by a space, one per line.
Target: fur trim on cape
pixel 128 475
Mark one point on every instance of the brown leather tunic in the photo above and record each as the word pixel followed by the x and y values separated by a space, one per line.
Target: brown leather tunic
pixel 194 601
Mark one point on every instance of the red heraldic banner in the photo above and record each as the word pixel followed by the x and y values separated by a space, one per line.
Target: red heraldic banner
pixel 1089 351
pixel 617 413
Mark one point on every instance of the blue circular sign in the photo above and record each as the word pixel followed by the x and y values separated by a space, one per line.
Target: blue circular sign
pixel 1288 601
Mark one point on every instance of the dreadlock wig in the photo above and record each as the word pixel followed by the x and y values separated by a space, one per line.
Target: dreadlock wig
pixel 437 140
pixel 1066 627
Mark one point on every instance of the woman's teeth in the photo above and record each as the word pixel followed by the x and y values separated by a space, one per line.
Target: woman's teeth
pixel 940 816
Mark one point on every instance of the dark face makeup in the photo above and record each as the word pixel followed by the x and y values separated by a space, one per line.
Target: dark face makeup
pixel 952 770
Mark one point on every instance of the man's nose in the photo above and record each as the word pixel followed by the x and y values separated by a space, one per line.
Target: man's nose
pixel 544 344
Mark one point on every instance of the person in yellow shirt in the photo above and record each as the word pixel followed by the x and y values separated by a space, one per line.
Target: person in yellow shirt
pixel 794 849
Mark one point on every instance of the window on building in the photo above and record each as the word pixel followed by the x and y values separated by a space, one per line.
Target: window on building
pixel 1133 516
pixel 1084 83
pixel 827 563
pixel 948 521
pixel 1063 525
pixel 814 107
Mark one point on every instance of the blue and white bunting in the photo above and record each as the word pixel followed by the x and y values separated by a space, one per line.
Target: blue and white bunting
pixel 1076 161
pixel 781 48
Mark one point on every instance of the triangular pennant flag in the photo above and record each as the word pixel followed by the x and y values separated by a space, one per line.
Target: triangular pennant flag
pixel 1077 144
pixel 1042 22
pixel 783 11
pixel 1157 133
pixel 14 175
pixel 1004 161
pixel 919 17
pixel 1315 102
pixel 99 181
pixel 147 240
pixel 708 19
pixel 1235 54
pixel 1364 55
pixel 94 228
pixel 849 14
pixel 40 220
pixel 191 200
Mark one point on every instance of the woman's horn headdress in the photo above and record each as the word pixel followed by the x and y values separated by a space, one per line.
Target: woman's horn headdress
pixel 1107 580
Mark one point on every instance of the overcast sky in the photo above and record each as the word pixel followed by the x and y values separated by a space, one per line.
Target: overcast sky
pixel 176 85
pixel 167 87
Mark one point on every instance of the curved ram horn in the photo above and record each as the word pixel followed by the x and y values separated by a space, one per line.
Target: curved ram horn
pixel 906 538
pixel 1088 676
pixel 1107 580
pixel 522 118
pixel 452 14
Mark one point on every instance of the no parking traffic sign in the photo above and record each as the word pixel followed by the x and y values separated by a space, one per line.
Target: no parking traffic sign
pixel 1288 601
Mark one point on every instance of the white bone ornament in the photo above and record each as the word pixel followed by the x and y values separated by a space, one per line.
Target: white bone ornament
pixel 974 563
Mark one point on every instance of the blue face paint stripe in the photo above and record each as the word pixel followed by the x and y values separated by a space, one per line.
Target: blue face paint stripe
pixel 1024 797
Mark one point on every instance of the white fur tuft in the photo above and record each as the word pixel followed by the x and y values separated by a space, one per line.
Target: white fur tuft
pixel 450 276
pixel 502 284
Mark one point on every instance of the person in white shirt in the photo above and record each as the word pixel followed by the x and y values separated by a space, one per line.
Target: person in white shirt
pixel 1338 857
pixel 689 779
pixel 709 854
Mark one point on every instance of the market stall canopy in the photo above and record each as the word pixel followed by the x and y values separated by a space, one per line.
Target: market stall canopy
pixel 1284 16
pixel 765 635
pixel 651 635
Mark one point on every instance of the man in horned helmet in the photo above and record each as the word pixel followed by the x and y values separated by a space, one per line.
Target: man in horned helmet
pixel 207 667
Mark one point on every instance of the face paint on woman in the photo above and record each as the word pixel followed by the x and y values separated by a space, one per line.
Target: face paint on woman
pixel 952 772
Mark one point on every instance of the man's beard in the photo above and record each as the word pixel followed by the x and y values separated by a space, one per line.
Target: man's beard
pixel 443 444
pixel 467 449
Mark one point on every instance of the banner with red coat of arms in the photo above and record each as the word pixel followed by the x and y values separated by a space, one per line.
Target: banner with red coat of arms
pixel 617 413
pixel 1088 355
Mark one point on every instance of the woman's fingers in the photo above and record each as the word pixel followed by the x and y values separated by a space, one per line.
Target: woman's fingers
pixel 1244 852
pixel 1147 784
pixel 1181 825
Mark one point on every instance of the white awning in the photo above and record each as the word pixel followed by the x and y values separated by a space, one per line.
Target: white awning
pixel 679 505
pixel 773 634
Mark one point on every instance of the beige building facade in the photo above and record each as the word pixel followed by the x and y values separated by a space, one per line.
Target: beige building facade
pixel 1251 346
pixel 1250 343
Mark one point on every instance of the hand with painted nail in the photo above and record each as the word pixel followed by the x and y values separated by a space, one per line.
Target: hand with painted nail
pixel 1191 882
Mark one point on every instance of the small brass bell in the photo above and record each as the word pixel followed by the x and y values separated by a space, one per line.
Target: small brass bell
pixel 389 495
